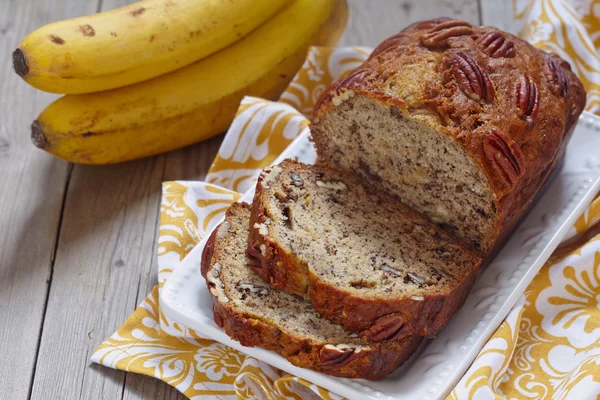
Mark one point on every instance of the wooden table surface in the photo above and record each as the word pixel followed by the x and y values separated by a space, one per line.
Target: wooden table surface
pixel 78 243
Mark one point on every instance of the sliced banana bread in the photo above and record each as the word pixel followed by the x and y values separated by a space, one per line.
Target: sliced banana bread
pixel 258 315
pixel 463 123
pixel 362 258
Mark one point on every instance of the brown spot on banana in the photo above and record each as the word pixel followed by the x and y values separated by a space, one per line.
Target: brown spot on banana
pixel 56 39
pixel 20 63
pixel 138 12
pixel 37 135
pixel 87 30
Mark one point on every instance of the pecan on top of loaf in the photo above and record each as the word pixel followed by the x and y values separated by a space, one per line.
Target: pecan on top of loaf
pixel 483 113
pixel 470 80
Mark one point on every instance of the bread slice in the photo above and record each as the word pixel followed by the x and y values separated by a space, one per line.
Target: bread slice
pixel 257 315
pixel 463 123
pixel 363 259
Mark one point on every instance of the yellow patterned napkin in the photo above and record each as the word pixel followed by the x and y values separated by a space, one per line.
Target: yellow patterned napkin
pixel 549 344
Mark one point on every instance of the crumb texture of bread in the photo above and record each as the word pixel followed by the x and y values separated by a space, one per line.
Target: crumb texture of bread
pixel 462 123
pixel 362 258
pixel 256 314
pixel 429 153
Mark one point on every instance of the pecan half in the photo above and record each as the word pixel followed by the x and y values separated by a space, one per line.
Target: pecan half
pixel 495 44
pixel 526 97
pixel 389 327
pixel 395 39
pixel 505 156
pixel 557 76
pixel 471 79
pixel 438 35
pixel 336 356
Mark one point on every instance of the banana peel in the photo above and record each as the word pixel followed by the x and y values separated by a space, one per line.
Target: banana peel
pixel 191 104
pixel 134 43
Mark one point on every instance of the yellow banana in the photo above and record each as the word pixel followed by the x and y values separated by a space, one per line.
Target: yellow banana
pixel 193 103
pixel 134 43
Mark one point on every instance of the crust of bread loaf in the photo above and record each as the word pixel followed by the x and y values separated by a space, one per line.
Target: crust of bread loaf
pixel 542 141
pixel 376 362
pixel 379 361
pixel 285 271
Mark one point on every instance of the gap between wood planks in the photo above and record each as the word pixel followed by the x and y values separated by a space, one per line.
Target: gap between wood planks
pixel 49 282
pixel 52 261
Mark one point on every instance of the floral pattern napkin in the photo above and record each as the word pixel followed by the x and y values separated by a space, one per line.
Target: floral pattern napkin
pixel 549 344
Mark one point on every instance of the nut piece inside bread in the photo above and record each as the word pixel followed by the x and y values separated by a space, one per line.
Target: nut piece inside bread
pixel 428 171
pixel 361 257
pixel 256 314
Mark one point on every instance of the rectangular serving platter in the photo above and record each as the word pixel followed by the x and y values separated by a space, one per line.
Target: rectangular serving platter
pixel 439 364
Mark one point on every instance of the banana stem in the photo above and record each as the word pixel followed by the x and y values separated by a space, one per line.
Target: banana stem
pixel 20 64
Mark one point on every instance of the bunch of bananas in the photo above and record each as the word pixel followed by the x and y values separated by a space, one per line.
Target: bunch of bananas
pixel 162 74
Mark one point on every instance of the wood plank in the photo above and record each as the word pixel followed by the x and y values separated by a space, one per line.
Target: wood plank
pixel 190 163
pixel 372 21
pixel 106 246
pixel 105 265
pixel 33 187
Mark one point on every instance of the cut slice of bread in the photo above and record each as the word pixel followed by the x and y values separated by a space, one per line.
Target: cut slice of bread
pixel 258 315
pixel 363 259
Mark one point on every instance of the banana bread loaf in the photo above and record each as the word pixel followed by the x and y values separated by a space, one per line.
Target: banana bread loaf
pixel 462 123
pixel 362 258
pixel 257 315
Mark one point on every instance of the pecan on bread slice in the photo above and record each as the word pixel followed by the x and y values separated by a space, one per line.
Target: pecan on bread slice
pixel 256 314
pixel 362 258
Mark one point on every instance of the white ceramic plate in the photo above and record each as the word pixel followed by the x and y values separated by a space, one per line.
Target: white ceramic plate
pixel 439 363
